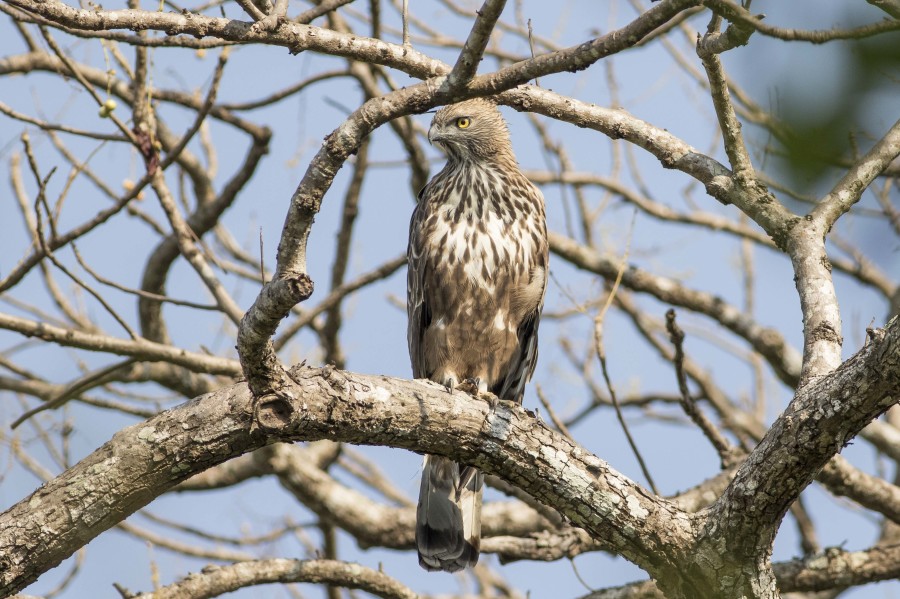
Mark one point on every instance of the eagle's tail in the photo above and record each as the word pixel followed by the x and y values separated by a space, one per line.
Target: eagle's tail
pixel 448 518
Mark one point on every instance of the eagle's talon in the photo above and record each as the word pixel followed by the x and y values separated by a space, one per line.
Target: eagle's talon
pixel 450 383
pixel 472 386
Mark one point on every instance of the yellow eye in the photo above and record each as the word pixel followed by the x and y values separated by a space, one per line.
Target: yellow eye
pixel 463 122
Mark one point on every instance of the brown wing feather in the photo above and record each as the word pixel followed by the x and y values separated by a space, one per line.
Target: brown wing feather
pixel 522 364
pixel 417 308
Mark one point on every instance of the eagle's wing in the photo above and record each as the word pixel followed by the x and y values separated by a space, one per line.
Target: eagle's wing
pixel 524 358
pixel 522 364
pixel 417 307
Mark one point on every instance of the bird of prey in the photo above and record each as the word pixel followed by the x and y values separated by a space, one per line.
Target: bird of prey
pixel 478 256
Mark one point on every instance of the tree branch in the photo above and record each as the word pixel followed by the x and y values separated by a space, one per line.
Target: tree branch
pixel 467 63
pixel 138 348
pixel 857 179
pixel 143 461
pixel 783 358
pixel 736 14
pixel 821 419
pixel 215 581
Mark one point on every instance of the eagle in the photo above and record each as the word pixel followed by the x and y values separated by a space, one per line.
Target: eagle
pixel 478 259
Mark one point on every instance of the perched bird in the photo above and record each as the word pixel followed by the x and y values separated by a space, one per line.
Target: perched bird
pixel 477 258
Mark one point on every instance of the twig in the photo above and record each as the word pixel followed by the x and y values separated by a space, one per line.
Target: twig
pixel 262 259
pixel 557 422
pixel 537 80
pixel 80 385
pixel 769 342
pixel 139 292
pixel 330 340
pixel 185 238
pixel 252 11
pixel 367 471
pixel 405 16
pixel 723 447
pixel 601 355
pixel 139 348
pixel 306 318
pixel 324 7
pixel 90 89
pixel 8 111
pixel 809 541
pixel 884 199
pixel 329 551
pixel 736 14
pixel 202 113
pixel 167 542
pixel 282 94
pixel 48 253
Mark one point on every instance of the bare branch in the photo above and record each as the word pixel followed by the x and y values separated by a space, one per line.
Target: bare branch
pixel 735 13
pixel 723 447
pixel 768 342
pixel 728 121
pixel 467 62
pixel 776 472
pixel 212 582
pixel 138 348
pixel 850 188
pixel 208 431
pixel 504 440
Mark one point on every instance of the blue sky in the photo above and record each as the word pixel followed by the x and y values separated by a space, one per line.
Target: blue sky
pixel 648 84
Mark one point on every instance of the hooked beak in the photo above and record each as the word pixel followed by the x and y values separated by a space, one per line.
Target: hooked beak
pixel 433 136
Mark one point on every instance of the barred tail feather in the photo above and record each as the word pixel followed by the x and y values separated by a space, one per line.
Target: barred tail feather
pixel 448 517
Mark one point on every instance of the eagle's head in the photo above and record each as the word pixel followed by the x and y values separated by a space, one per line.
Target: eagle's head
pixel 470 130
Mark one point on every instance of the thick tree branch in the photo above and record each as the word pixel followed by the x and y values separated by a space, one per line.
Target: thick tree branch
pixel 296 37
pixel 835 568
pixel 821 419
pixel 145 460
pixel 693 550
pixel 841 478
pixel 299 37
pixel 822 334
pixel 371 523
pixel 753 199
pixel 580 57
